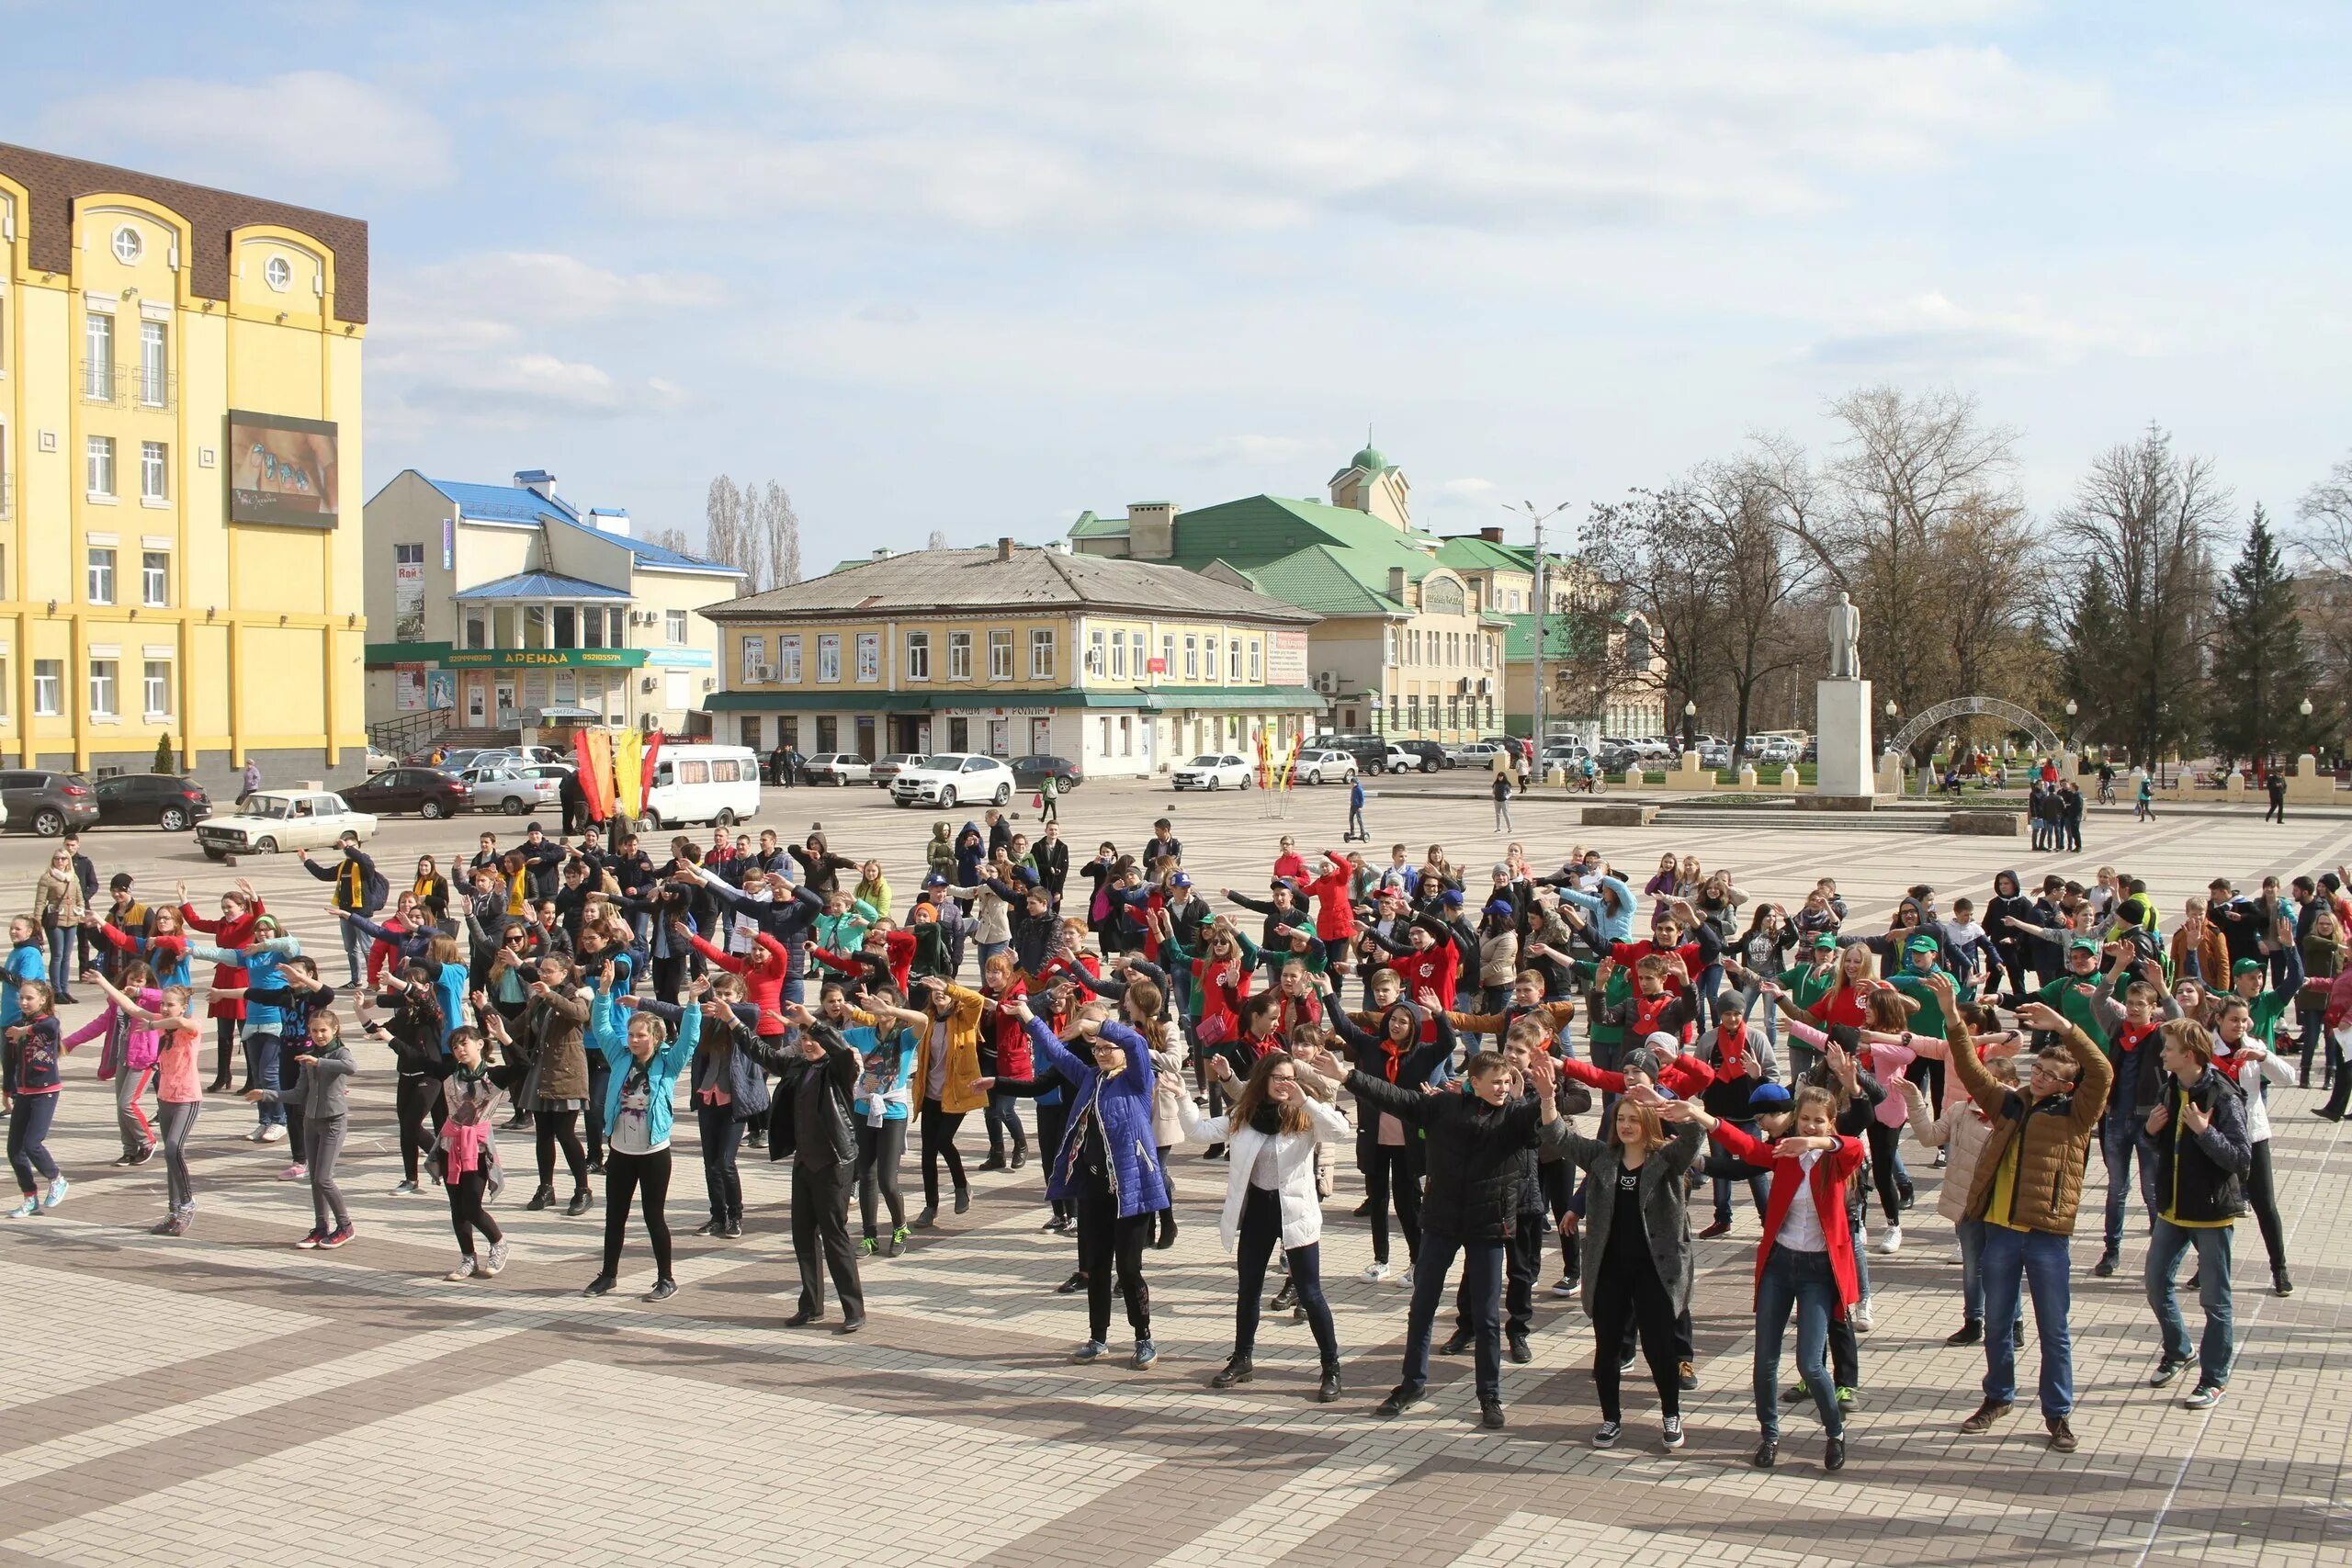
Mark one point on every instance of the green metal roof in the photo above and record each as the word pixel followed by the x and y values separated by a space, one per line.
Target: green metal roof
pixel 1469 552
pixel 1090 526
pixel 1330 559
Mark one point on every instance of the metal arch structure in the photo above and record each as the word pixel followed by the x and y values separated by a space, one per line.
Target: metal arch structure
pixel 1989 707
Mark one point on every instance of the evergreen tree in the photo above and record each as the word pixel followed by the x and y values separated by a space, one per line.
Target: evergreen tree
pixel 2261 673
pixel 2086 668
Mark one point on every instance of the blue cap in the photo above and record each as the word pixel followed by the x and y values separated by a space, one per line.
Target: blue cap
pixel 934 880
pixel 1501 907
pixel 1180 880
pixel 1770 1095
pixel 1452 897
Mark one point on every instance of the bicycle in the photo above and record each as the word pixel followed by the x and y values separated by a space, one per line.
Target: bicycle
pixel 2107 792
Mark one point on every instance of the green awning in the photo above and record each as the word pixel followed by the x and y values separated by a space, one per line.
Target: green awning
pixel 963 699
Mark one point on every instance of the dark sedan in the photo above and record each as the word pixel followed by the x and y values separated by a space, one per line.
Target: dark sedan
pixel 428 792
pixel 165 800
pixel 1029 773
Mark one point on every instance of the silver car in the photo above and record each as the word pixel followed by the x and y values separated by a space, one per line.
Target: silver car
pixel 502 787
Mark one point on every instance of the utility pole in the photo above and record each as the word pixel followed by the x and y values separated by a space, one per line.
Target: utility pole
pixel 1543 611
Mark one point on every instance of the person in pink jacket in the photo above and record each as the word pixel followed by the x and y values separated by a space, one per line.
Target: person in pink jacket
pixel 127 1058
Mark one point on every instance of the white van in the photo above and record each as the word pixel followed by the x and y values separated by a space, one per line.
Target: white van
pixel 718 785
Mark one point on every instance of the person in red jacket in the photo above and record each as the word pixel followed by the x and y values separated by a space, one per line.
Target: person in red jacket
pixel 763 970
pixel 1805 1262
pixel 1289 864
pixel 1432 964
pixel 1004 1053
pixel 886 951
pixel 1658 1060
pixel 234 929
pixel 1334 895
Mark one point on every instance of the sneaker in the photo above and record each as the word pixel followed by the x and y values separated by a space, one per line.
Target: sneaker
pixel 2204 1397
pixel 2280 1284
pixel 466 1269
pixel 1605 1435
pixel 1092 1350
pixel 58 1188
pixel 407 1190
pixel 1848 1399
pixel 1992 1410
pixel 710 1228
pixel 1687 1378
pixel 496 1260
pixel 581 1202
pixel 897 1242
pixel 273 1134
pixel 1401 1398
pixel 1905 1199
pixel 868 1248
pixel 2167 1370
pixel 2105 1267
pixel 600 1285
pixel 1072 1286
pixel 337 1236
pixel 1376 1273
pixel 540 1198
pixel 1892 1242
pixel 176 1225
pixel 1721 1227
pixel 2062 1435
pixel 1969 1333
pixel 1861 1315
pixel 1943 1158
pixel 1490 1415
pixel 1672 1435
pixel 1407 1280
pixel 298 1171
pixel 1797 1394
pixel 1145 1354
pixel 1563 1286
pixel 26 1210
pixel 731 1231
pixel 310 1242
pixel 662 1290
pixel 928 1218
pixel 144 1153
pixel 1625 1361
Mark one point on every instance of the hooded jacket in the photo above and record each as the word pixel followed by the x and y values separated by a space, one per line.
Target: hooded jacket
pixel 2052 1135
pixel 1120 1105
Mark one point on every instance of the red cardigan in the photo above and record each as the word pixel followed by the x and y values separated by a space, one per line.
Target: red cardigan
pixel 763 970
pixel 1335 910
pixel 1685 1076
pixel 1829 1176
pixel 229 935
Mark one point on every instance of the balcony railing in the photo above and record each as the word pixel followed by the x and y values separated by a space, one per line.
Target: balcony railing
pixel 127 386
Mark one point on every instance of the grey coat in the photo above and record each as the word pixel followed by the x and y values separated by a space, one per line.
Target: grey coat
pixel 1663 1212
pixel 318 1089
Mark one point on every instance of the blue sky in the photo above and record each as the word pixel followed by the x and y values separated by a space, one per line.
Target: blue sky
pixel 976 266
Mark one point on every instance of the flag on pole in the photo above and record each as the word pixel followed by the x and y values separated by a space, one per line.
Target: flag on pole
pixel 628 774
pixel 594 748
pixel 653 753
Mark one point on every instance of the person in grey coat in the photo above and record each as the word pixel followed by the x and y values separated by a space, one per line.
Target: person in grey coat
pixel 324 1065
pixel 1637 1253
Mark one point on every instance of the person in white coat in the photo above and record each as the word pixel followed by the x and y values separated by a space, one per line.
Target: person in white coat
pixel 1270 1199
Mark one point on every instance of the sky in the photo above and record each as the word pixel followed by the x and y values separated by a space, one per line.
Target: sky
pixel 978 266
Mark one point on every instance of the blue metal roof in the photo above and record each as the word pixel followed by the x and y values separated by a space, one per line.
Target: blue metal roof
pixel 539 585
pixel 513 503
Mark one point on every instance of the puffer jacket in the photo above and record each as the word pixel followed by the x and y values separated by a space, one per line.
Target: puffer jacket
pixel 1122 1105
pixel 957 1094
pixel 1473 1149
pixel 1962 1130
pixel 1297 1200
pixel 1665 1214
pixel 2057 1131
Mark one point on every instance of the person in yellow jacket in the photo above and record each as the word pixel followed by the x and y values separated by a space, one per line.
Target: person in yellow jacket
pixel 947 1070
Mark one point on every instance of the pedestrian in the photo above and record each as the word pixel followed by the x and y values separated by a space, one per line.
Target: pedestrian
pixel 636 1119
pixel 1049 789
pixel 1357 832
pixel 2025 1187
pixel 1501 790
pixel 2202 1158
pixel 815 1128
pixel 2145 806
pixel 2275 784
pixel 252 782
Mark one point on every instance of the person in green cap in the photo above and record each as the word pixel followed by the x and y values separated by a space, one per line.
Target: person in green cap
pixel 2266 1004
pixel 2072 995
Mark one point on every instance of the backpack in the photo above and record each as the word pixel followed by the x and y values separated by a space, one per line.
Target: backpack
pixel 374 892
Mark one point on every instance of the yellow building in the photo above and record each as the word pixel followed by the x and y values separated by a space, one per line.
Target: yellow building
pixel 1013 652
pixel 179 440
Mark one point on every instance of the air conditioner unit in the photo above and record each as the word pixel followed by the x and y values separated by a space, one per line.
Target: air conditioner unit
pixel 1326 681
pixel 1486 685
pixel 758 675
pixel 709 681
pixel 646 684
pixel 1462 687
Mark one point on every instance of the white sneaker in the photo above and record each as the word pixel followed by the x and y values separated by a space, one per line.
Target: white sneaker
pixel 1564 1286
pixel 1892 1242
pixel 1374 1273
pixel 1958 1256
pixel 1672 1435
pixel 1407 1280
pixel 273 1134
pixel 406 1189
pixel 497 1259
pixel 466 1269
pixel 1861 1315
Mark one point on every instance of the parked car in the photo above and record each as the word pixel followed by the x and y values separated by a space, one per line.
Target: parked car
pixel 165 800
pixel 1327 766
pixel 1562 756
pixel 428 792
pixel 886 769
pixel 521 754
pixel 1779 753
pixel 1427 755
pixel 1620 758
pixel 1030 773
pixel 499 786
pixel 559 771
pixel 1213 769
pixel 951 778
pixel 47 802
pixel 838 768
pixel 1370 751
pixel 1479 754
pixel 279 820
pixel 379 760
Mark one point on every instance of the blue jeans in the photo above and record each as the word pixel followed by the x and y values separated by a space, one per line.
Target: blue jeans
pixel 1724 1185
pixel 1972 1275
pixel 261 1070
pixel 355 951
pixel 2039 1260
pixel 60 948
pixel 1749 997
pixel 989 950
pixel 2216 1349
pixel 1481 1298
pixel 1804 1282
pixel 2121 1135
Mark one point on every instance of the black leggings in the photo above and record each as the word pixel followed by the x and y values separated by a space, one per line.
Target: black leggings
pixel 1261 1231
pixel 1109 1242
pixel 879 1149
pixel 555 1127
pixel 469 1213
pixel 1390 1175
pixel 224 1049
pixel 625 1174
pixel 1631 1297
pixel 414 1098
pixel 1052 1120
pixel 1882 1139
pixel 722 1135
pixel 2261 1194
pixel 939 1142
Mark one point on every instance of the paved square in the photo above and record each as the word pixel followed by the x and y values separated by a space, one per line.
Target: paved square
pixel 225 1399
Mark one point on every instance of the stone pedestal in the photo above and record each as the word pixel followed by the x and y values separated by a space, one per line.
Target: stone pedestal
pixel 1842 720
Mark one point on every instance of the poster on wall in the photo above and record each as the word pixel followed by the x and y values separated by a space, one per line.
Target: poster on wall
pixel 282 469
pixel 441 689
pixel 408 602
pixel 408 687
pixel 1286 659
pixel 869 656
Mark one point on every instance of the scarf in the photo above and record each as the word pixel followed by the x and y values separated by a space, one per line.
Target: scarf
pixel 1267 1118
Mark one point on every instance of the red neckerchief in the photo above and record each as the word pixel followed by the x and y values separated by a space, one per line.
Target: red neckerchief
pixel 1731 1045
pixel 2127 1039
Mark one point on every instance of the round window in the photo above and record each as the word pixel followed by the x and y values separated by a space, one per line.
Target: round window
pixel 127 246
pixel 277 272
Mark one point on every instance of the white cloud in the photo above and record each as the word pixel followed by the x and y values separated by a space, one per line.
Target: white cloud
pixel 1469 488
pixel 1227 115
pixel 304 137
pixel 1930 334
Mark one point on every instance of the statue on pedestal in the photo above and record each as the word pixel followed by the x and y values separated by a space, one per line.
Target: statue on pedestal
pixel 1845 640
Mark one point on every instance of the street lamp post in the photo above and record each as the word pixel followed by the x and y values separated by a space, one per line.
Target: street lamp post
pixel 1542 609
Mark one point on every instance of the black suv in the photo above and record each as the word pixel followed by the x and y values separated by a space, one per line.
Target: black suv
pixel 164 799
pixel 1433 755
pixel 46 802
pixel 1370 751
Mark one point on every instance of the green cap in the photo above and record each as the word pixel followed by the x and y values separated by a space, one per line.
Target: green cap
pixel 1825 938
pixel 1923 944
pixel 2246 967
pixel 2082 944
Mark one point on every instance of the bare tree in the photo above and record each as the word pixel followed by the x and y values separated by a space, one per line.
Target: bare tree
pixel 2149 516
pixel 937 541
pixel 779 536
pixel 670 539
pixel 2324 543
pixel 1735 506
pixel 723 522
pixel 1658 551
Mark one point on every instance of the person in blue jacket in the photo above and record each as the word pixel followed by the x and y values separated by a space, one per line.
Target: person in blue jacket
pixel 644 1077
pixel 264 1029
pixel 1357 831
pixel 1108 1163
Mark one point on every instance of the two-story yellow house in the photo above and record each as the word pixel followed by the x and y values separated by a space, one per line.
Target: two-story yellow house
pixel 1121 667
pixel 180 470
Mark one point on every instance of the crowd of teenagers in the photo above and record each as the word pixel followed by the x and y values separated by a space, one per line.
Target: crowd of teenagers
pixel 1450 1024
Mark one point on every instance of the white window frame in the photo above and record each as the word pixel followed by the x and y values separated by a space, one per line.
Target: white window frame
pixel 829 658
pixel 1001 642
pixel 674 627
pixel 787 659
pixel 128 245
pixel 154 364
pixel 1168 656
pixel 156 674
pixel 155 566
pixel 1118 656
pixel 1095 665
pixel 98 464
pixel 1233 661
pixel 48 688
pixel 105 686
pixel 1192 657
pixel 1388 649
pixel 1257 661
pixel 1138 653
pixel 97 356
pixel 918 656
pixel 869 656
pixel 155 474
pixel 959 656
pixel 1041 653
pixel 99 578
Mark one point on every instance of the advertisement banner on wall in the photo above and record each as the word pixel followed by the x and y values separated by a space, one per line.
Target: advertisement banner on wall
pixel 408 602
pixel 1286 659
pixel 448 544
pixel 282 469
pixel 440 690
pixel 408 687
